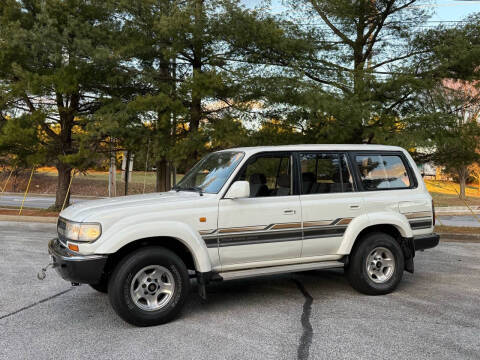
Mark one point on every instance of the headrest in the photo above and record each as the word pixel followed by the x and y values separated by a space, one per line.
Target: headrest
pixel 284 181
pixel 258 179
pixel 308 176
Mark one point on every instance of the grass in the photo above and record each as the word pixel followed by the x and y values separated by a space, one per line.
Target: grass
pixel 445 193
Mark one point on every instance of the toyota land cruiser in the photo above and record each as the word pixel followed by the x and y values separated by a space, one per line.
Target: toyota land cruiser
pixel 246 212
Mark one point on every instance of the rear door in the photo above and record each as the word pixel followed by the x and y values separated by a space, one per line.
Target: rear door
pixel 267 225
pixel 388 183
pixel 328 199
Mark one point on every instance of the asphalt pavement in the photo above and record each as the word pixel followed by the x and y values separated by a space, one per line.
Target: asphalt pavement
pixel 32 201
pixel 434 314
pixel 460 220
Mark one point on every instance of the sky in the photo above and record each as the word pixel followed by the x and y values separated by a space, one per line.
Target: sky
pixel 445 10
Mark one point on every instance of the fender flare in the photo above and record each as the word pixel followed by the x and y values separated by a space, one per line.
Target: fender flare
pixel 364 221
pixel 122 236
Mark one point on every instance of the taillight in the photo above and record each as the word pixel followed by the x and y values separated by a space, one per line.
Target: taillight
pixel 433 212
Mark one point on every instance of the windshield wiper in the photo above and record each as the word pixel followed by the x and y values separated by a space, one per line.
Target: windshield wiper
pixel 192 188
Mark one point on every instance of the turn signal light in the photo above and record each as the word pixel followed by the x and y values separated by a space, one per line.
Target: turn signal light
pixel 203 219
pixel 73 247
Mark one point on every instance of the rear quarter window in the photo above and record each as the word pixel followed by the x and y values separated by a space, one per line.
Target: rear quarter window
pixel 382 172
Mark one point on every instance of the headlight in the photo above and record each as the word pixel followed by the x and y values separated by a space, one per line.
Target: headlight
pixel 75 231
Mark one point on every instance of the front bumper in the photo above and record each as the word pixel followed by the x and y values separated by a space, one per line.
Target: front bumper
pixel 76 268
pixel 422 242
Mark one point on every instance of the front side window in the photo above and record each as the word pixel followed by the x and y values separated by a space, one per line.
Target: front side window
pixel 325 173
pixel 211 173
pixel 269 176
pixel 380 172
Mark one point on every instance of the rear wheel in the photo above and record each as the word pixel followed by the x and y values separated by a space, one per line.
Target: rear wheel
pixel 149 286
pixel 376 264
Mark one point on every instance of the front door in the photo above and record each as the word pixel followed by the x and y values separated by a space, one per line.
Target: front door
pixel 328 200
pixel 267 225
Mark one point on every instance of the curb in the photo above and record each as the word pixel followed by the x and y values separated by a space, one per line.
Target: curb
pixel 52 220
pixel 455 208
pixel 37 219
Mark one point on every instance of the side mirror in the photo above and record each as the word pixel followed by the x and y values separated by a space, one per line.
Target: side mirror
pixel 239 189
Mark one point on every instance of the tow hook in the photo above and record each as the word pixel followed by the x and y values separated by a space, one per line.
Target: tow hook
pixel 42 274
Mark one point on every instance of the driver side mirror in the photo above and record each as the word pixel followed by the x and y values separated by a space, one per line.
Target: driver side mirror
pixel 238 190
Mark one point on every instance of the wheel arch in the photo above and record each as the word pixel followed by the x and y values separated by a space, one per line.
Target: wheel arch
pixel 394 224
pixel 174 234
pixel 170 243
pixel 389 229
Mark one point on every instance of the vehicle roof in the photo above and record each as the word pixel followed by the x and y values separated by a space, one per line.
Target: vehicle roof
pixel 313 147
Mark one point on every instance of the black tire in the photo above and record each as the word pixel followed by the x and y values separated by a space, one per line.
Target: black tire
pixel 356 270
pixel 100 287
pixel 126 270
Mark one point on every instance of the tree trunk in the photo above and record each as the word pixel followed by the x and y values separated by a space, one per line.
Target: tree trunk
pixel 63 181
pixel 197 68
pixel 163 176
pixel 462 178
pixel 67 118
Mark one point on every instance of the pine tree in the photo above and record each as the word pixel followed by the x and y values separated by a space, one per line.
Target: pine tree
pixel 56 66
pixel 350 78
pixel 190 90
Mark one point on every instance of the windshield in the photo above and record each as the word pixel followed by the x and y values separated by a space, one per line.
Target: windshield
pixel 211 173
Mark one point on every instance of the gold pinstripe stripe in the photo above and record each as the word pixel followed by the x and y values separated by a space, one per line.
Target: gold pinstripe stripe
pixel 294 225
pixel 419 214
pixel 278 226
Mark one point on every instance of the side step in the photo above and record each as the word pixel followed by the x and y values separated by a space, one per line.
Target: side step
pixel 240 274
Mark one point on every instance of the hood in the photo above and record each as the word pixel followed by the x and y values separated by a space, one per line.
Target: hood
pixel 93 210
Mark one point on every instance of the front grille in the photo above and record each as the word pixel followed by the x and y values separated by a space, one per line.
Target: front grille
pixel 61 226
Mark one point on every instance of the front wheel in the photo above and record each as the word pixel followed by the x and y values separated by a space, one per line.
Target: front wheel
pixel 149 286
pixel 102 286
pixel 376 264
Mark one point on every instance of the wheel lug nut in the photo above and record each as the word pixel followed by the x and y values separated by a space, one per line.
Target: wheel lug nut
pixel 146 292
pixel 144 286
pixel 149 279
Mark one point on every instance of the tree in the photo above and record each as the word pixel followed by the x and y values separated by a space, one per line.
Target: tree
pixel 190 89
pixel 350 80
pixel 451 62
pixel 55 67
pixel 475 172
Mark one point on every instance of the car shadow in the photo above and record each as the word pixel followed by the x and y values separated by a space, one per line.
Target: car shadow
pixel 249 290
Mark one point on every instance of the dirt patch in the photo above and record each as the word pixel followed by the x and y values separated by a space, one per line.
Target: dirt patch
pixel 457 230
pixel 29 212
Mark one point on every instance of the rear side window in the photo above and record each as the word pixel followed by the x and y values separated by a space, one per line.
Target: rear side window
pixel 382 172
pixel 325 173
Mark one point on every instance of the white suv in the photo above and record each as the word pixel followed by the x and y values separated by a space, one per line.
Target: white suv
pixel 246 212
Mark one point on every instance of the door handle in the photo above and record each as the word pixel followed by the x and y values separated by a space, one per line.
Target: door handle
pixel 289 212
pixel 354 206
